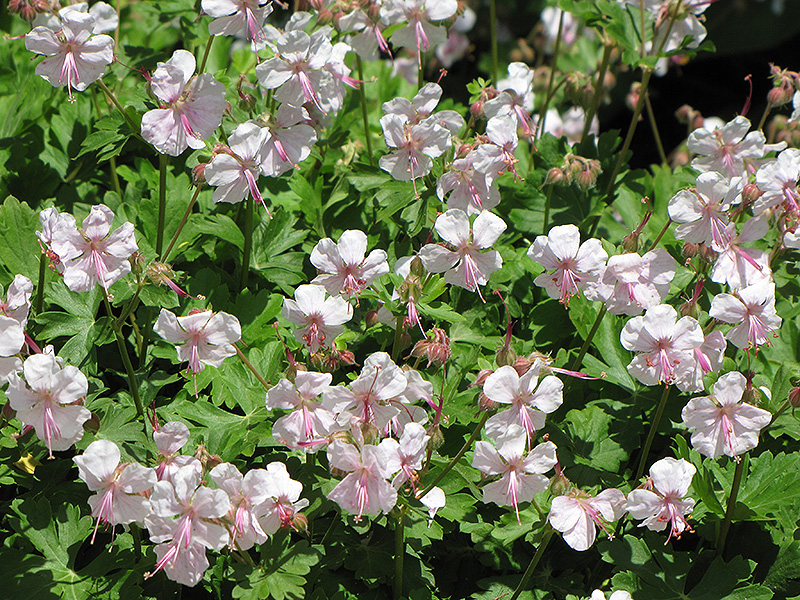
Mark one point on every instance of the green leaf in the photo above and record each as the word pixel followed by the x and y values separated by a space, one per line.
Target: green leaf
pixel 282 573
pixel 19 250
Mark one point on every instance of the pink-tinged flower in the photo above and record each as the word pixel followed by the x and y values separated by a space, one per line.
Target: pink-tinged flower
pixel 665 345
pixel 289 141
pixel 320 319
pixel 12 336
pixel 76 57
pixel 530 399
pixel 283 500
pixel 578 515
pixel 309 423
pixel 169 439
pixel 469 264
pixel 702 212
pixel 729 149
pixel 470 190
pixel 662 500
pixel 191 106
pixel 707 358
pixel 635 283
pixel 420 109
pixel 370 38
pixel 17 304
pixel 778 181
pixel 368 396
pixel 516 97
pixel 237 17
pixel 184 523
pixel 433 501
pixel 753 308
pixel 204 338
pixel 521 471
pixel 52 222
pixel 247 494
pixel 94 254
pixel 48 399
pixel 234 171
pixel 420 33
pixel 413 444
pixel 297 70
pixel 342 267
pixel 416 146
pixel 569 125
pixel 365 490
pixel 740 267
pixel 722 423
pixel 120 487
pixel 574 266
pixel 497 156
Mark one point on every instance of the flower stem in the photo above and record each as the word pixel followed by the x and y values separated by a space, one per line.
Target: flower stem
pixel 250 366
pixel 126 361
pixel 548 96
pixel 248 240
pixel 585 348
pixel 547 198
pixel 526 576
pixel 654 126
pixel 457 457
pixel 364 110
pixel 185 218
pixel 764 118
pixel 39 302
pixel 652 434
pixel 726 523
pixel 399 554
pixel 493 30
pixel 205 55
pixel 110 95
pixel 637 112
pixel 163 161
pixel 598 88
pixel 398 336
pixel 660 234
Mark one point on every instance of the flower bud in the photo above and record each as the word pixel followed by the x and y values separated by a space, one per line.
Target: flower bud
pixel 523 364
pixel 505 356
pixel 689 309
pixel 371 319
pixel 630 243
pixel 751 193
pixel 559 484
pixel 632 98
pixel 794 397
pixel 778 96
pixel 436 348
pixel 485 404
pixel 325 16
pixel 417 268
pixel 209 461
pixel 555 176
pixel 370 433
pixel 137 263
pixel 437 437
pixel 199 174
pixel 93 424
pixel 686 114
pixel 689 250
pixel 247 102
pixel 299 522
pixel 481 378
pixel 586 179
pixel 405 340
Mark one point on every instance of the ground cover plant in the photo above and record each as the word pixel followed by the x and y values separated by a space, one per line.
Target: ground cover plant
pixel 289 311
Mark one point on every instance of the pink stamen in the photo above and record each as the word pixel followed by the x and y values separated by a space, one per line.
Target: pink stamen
pixel 308 90
pixel 104 511
pixel 51 430
pixel 69 73
pixel 511 492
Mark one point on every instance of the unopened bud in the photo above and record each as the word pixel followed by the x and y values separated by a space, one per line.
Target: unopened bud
pixel 93 424
pixel 559 484
pixel 481 378
pixel 485 404
pixel 778 96
pixel 752 395
pixel 405 340
pixel 325 16
pixel 632 98
pixel 370 433
pixel 505 356
pixel 417 268
pixel 630 243
pixel 689 309
pixel 42 5
pixel 436 348
pixel 209 461
pixel 586 179
pixel 476 109
pixel 751 193
pixel 555 176
pixel 437 437
pixel 137 263
pixel 199 174
pixel 686 114
pixel 371 319
pixel 794 397
pixel 300 522
pixel 247 102
pixel 689 250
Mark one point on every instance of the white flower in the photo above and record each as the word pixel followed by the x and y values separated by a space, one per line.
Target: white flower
pixel 120 487
pixel 521 472
pixel 465 265
pixel 702 212
pixel 192 106
pixel 343 269
pixel 722 423
pixel 416 146
pixel 234 174
pixel 237 17
pixel 618 595
pixel 321 319
pixel 638 282
pixel 778 181
pixel 95 255
pixel 169 439
pixel 470 190
pixel 753 308
pixel 574 267
pixel 204 338
pixel 49 398
pixel 663 499
pixel 740 267
pixel 289 141
pixel 665 344
pixel 578 515
pixel 529 398
pixel 310 422
pixel 283 502
pixel 77 58
pixel 248 495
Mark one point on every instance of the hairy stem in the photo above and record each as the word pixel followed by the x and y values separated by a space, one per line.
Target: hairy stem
pixel 364 115
pixel 398 336
pixel 526 576
pixel 547 198
pixel 205 55
pixel 250 366
pixel 39 302
pixel 163 162
pixel 598 89
pixel 248 240
pixel 399 554
pixel 126 361
pixel 585 348
pixel 654 126
pixel 493 33
pixel 726 523
pixel 548 96
pixel 651 434
pixel 185 218
pixel 110 95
